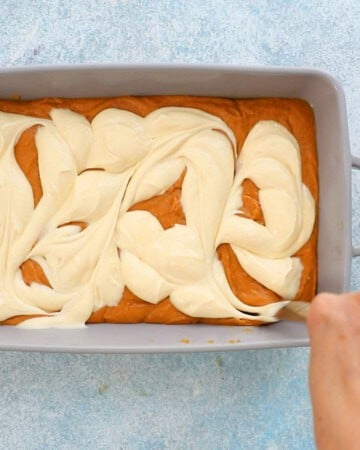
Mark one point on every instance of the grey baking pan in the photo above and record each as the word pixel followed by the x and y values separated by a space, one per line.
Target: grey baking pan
pixel 334 248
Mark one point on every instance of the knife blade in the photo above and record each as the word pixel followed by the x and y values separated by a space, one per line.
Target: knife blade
pixel 294 311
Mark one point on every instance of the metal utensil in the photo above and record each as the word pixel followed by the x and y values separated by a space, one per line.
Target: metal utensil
pixel 294 311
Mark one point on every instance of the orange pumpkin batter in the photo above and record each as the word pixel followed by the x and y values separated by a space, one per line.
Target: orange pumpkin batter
pixel 240 116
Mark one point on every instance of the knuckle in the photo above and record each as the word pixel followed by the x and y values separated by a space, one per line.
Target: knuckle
pixel 336 313
pixel 350 304
pixel 323 309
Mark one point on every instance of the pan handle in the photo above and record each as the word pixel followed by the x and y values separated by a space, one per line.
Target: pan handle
pixel 355 162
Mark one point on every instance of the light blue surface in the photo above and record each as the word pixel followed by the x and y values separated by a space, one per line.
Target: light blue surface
pixel 247 400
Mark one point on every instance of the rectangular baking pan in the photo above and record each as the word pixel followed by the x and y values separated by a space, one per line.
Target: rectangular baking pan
pixel 334 247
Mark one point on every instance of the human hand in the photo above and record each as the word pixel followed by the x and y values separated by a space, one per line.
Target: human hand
pixel 334 377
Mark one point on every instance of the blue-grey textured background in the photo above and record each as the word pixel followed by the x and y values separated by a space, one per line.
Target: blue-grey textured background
pixel 245 400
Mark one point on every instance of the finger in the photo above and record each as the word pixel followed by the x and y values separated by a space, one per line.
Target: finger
pixel 321 313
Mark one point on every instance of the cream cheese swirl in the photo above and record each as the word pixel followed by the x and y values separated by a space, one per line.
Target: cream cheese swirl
pixel 142 158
